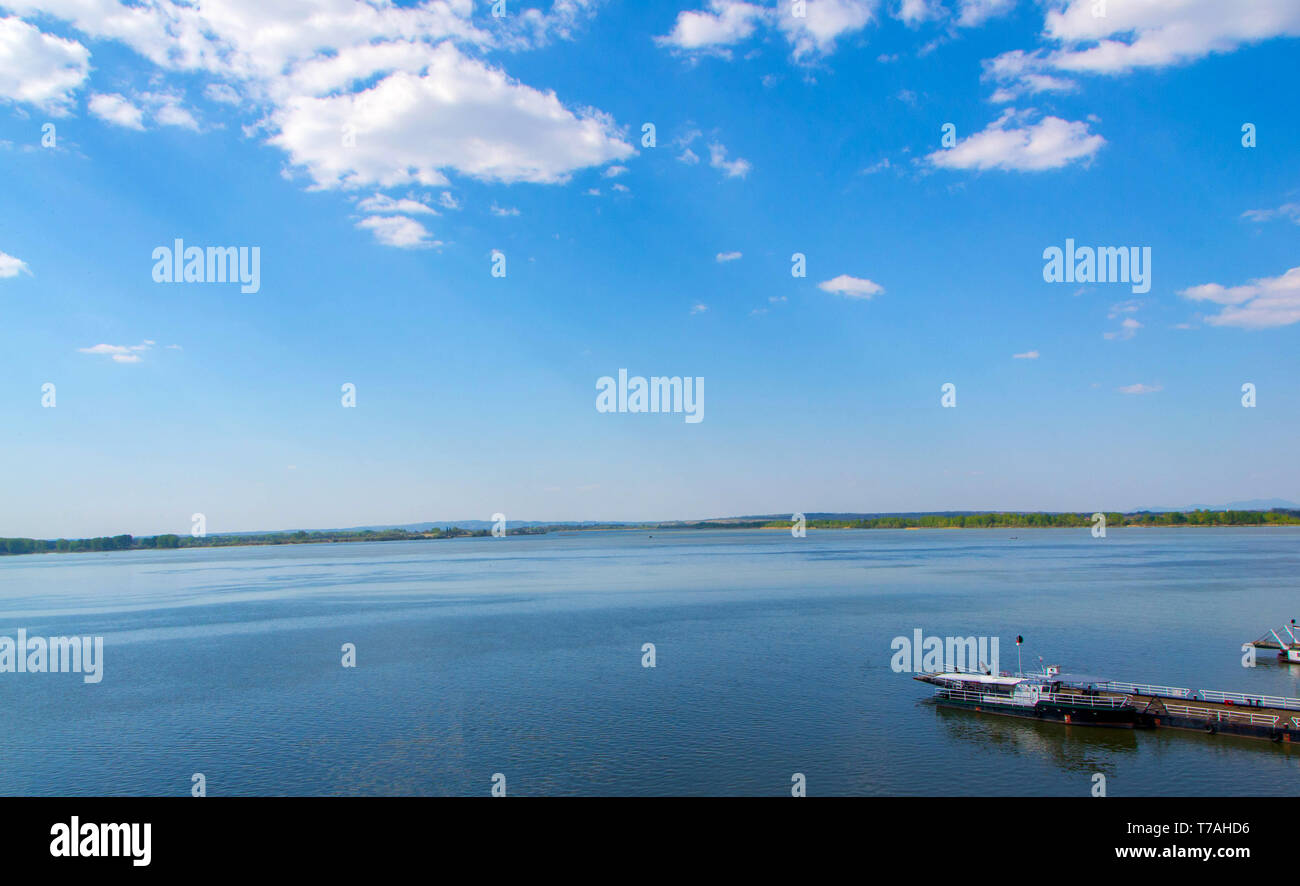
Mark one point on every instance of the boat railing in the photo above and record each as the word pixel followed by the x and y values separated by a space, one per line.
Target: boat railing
pixel 1087 701
pixel 1028 701
pixel 1220 715
pixel 1271 701
pixel 1145 689
pixel 986 697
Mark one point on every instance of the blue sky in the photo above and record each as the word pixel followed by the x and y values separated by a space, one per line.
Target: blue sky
pixel 775 134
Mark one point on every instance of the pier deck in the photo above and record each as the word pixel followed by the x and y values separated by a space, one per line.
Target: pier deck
pixel 1274 718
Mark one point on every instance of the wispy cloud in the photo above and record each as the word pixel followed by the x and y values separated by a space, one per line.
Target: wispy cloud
pixel 738 168
pixel 120 353
pixel 728 256
pixel 382 204
pixel 1288 211
pixel 1141 388
pixel 1027 355
pixel 1262 303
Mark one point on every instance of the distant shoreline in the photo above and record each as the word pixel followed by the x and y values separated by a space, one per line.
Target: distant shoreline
pixel 1010 520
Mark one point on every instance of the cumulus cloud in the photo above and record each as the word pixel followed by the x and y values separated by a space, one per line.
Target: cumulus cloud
pixel 1011 144
pixel 1260 304
pixel 458 114
pixel 402 77
pixel 116 109
pixel 400 231
pixel 12 267
pixel 851 287
pixel 973 13
pixel 738 168
pixel 725 23
pixel 40 69
pixel 1148 34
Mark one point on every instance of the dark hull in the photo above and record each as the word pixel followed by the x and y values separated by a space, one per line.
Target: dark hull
pixel 1117 718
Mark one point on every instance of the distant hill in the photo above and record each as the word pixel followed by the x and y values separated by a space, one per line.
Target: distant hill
pixel 1254 504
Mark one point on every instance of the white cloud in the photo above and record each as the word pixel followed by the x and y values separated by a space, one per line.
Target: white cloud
pixel 459 114
pixel 1263 303
pixel 168 110
pixel 1138 34
pixel 223 94
pixel 699 308
pixel 1289 211
pixel 738 168
pixel 400 231
pixel 382 204
pixel 727 256
pixel 1141 388
pixel 1027 355
pixel 504 212
pixel 12 267
pixel 825 23
pixel 421 106
pixel 728 22
pixel 1127 329
pixel 40 69
pixel 913 12
pixel 120 353
pixel 614 171
pixel 117 110
pixel 851 287
pixel 621 188
pixel 974 13
pixel 447 201
pixel 689 157
pixel 1008 144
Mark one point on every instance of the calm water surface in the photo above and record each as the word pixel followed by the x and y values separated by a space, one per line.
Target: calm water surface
pixel 523 656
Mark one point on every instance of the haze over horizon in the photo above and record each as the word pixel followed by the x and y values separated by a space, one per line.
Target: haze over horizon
pixel 380 156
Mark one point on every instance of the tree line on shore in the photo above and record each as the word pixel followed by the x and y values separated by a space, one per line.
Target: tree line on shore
pixel 993 520
pixel 170 541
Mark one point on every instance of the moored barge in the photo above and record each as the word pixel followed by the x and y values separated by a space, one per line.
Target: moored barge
pixel 1047 696
pixel 1073 700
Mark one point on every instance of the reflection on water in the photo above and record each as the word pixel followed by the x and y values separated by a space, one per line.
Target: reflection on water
pixel 523 656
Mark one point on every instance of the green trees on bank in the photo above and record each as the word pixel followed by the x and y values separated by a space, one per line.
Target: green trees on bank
pixel 1016 520
pixel 169 541
pixel 992 520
